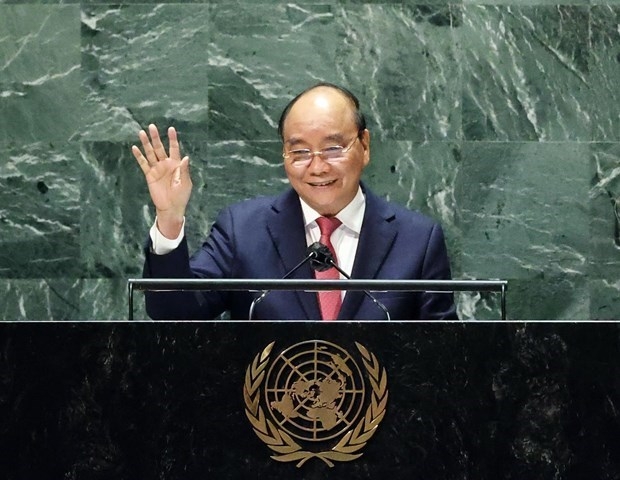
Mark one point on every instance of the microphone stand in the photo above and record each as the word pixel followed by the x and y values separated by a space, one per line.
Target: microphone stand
pixel 259 299
pixel 330 261
pixel 324 260
pixel 321 259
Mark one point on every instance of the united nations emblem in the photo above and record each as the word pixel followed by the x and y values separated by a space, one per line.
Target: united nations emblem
pixel 313 395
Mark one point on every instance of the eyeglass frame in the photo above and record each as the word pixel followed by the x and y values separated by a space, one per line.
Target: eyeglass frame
pixel 320 153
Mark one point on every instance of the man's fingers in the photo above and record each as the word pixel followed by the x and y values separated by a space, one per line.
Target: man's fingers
pixel 142 161
pixel 158 147
pixel 184 167
pixel 148 148
pixel 153 150
pixel 175 151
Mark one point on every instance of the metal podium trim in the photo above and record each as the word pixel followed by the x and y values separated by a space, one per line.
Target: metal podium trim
pixel 176 284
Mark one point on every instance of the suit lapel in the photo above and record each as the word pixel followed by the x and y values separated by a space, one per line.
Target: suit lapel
pixel 376 240
pixel 286 227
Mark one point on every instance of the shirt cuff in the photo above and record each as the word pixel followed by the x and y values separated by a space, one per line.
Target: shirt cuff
pixel 161 245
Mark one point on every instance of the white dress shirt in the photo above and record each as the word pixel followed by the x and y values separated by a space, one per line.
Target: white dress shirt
pixel 161 245
pixel 346 237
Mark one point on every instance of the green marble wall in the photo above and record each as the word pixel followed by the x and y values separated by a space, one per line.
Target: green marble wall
pixel 501 119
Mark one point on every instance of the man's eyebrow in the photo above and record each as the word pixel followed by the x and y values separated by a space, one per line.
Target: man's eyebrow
pixel 335 137
pixel 332 138
pixel 293 141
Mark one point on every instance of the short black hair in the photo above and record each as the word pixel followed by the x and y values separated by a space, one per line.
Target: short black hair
pixel 360 120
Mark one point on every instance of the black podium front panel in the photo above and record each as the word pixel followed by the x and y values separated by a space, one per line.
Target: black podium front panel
pixel 411 400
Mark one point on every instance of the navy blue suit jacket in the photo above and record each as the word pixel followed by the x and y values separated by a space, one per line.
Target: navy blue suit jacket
pixel 265 238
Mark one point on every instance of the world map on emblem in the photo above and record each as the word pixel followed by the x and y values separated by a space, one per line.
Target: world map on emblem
pixel 314 390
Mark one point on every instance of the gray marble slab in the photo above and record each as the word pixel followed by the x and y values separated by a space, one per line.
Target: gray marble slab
pixel 39 73
pixel 605 72
pixel 40 299
pixel 604 267
pixel 525 73
pixel 40 210
pixel 522 209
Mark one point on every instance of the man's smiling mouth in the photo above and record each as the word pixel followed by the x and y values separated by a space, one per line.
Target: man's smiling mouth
pixel 322 184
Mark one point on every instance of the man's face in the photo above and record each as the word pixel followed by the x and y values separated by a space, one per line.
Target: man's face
pixel 324 118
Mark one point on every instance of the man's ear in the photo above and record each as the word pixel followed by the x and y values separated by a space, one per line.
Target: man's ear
pixel 365 141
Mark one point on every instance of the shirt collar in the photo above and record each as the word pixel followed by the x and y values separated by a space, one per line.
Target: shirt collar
pixel 351 216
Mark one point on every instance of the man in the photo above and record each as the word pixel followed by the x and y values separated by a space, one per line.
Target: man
pixel 326 146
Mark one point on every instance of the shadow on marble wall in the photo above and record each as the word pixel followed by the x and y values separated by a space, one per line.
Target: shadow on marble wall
pixel 498 119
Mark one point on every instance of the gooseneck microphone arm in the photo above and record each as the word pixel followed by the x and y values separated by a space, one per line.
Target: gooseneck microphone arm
pixel 324 260
pixel 311 254
pixel 321 259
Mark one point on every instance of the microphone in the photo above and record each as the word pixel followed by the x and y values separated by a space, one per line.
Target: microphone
pixel 324 260
pixel 315 252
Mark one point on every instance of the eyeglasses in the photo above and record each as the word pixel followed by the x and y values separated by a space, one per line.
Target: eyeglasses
pixel 303 157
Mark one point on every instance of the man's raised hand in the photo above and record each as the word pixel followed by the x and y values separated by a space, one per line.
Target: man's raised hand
pixel 167 177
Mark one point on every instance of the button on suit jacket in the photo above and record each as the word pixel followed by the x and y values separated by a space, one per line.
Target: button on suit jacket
pixel 265 238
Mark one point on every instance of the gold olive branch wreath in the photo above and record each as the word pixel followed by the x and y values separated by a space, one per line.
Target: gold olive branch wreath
pixel 287 449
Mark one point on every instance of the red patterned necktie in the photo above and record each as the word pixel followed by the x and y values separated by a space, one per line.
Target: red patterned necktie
pixel 329 300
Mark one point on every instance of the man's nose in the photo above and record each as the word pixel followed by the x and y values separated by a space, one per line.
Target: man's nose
pixel 317 164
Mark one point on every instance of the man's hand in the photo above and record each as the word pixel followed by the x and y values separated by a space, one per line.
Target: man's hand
pixel 167 176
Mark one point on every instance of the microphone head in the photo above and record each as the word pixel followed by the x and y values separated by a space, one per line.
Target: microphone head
pixel 321 257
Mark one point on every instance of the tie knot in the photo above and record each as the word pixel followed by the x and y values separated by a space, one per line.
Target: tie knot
pixel 327 225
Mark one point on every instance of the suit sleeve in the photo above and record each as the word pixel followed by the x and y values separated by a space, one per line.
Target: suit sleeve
pixel 436 266
pixel 213 260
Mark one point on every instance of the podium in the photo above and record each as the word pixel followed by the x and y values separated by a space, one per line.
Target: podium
pixel 452 400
